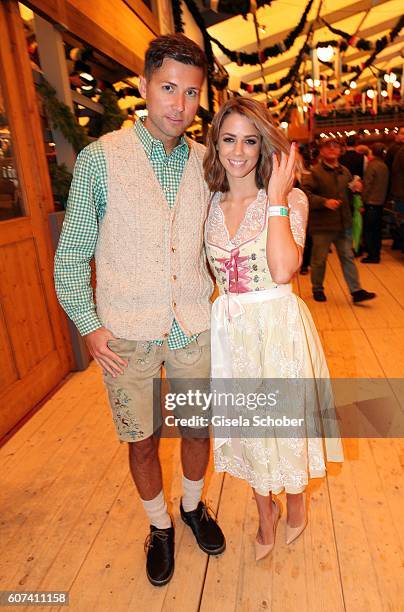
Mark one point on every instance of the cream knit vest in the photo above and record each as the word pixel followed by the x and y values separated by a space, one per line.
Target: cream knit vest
pixel 150 260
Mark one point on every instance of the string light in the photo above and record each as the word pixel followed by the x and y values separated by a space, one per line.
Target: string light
pixel 352 84
pixel 347 92
pixel 389 78
pixel 86 76
pixel 325 54
pixel 396 84
pixel 384 93
pixel 370 93
pixel 284 124
pixel 307 97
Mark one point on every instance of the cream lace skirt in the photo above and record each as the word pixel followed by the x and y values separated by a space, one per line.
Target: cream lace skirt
pixel 271 335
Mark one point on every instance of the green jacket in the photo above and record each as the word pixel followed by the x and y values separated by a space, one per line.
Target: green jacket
pixel 322 183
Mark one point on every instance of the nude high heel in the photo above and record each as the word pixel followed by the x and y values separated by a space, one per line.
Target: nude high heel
pixel 292 533
pixel 263 550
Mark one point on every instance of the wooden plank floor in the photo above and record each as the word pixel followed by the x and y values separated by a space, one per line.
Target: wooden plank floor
pixel 71 520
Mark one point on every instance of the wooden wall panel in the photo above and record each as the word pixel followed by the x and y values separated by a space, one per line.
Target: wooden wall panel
pixel 121 30
pixel 22 111
pixel 34 350
pixel 20 397
pixel 54 9
pixel 117 19
pixel 24 305
pixel 16 229
pixel 8 368
pixel 149 18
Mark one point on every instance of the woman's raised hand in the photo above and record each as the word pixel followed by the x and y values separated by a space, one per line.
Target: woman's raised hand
pixel 282 177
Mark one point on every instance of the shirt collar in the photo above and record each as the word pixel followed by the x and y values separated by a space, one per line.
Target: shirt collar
pixel 330 168
pixel 151 144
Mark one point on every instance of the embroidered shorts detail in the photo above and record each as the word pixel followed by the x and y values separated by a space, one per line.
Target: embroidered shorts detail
pixel 131 393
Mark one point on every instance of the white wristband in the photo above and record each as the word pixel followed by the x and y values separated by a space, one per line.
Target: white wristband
pixel 278 211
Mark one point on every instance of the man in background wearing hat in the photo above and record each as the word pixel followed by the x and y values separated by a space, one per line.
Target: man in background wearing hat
pixel 330 220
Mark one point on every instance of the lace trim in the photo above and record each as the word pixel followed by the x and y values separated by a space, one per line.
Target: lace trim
pixel 254 220
pixel 250 227
pixel 298 214
pixel 265 470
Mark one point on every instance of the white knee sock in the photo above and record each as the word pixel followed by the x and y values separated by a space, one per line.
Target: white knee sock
pixel 192 491
pixel 156 510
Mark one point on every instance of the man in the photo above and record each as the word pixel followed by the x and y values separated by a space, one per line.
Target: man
pixel 393 148
pixel 330 220
pixel 397 170
pixel 351 159
pixel 138 201
pixel 397 193
pixel 375 185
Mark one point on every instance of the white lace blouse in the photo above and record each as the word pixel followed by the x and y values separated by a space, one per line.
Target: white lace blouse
pixel 240 264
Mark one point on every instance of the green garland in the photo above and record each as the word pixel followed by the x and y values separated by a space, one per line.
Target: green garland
pixel 61 117
pixel 239 7
pixel 112 117
pixel 60 180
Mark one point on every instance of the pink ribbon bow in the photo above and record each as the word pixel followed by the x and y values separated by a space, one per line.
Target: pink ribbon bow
pixel 236 270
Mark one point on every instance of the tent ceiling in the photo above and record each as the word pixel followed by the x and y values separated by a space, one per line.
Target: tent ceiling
pixel 374 18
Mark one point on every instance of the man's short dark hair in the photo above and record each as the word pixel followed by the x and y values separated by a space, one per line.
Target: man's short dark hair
pixel 377 149
pixel 351 141
pixel 173 46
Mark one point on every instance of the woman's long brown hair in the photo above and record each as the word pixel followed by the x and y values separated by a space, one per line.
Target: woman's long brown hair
pixel 272 141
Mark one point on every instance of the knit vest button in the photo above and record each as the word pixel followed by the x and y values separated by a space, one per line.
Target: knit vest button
pixel 174 277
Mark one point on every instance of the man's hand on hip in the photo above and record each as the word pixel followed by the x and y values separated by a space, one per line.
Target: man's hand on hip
pixel 97 344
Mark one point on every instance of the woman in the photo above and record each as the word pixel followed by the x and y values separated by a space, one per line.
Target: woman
pixel 260 330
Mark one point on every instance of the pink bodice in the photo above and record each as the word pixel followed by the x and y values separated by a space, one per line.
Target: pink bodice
pixel 240 264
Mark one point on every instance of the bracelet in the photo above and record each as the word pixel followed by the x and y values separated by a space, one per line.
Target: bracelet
pixel 278 211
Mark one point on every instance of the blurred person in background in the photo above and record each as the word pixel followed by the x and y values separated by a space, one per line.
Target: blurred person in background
pixel 364 150
pixel 394 148
pixel 352 159
pixel 375 186
pixel 397 194
pixel 305 157
pixel 330 220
